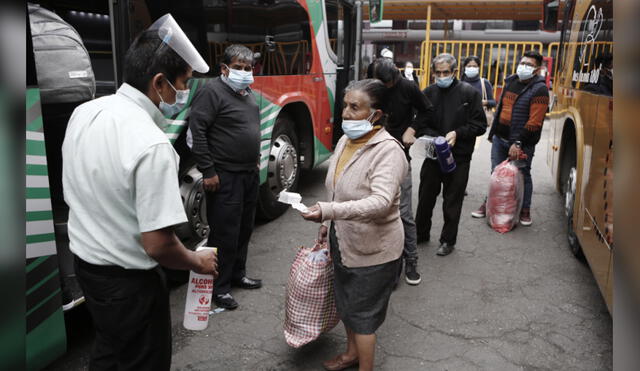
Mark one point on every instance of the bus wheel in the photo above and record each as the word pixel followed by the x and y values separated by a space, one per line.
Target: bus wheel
pixel 283 169
pixel 196 230
pixel 569 202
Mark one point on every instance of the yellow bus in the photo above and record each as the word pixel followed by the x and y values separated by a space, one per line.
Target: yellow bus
pixel 581 151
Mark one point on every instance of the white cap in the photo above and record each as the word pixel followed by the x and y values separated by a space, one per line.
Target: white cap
pixel 386 53
pixel 171 34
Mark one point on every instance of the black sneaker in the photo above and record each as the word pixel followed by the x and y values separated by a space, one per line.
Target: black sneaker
pixel 411 273
pixel 225 301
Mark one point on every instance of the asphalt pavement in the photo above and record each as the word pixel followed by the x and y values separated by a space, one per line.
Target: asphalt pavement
pixel 518 301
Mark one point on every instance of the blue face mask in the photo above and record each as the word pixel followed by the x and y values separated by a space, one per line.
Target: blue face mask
pixel 238 79
pixel 170 110
pixel 355 129
pixel 444 82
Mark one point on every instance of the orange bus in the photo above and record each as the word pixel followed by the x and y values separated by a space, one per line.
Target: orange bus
pixel 581 151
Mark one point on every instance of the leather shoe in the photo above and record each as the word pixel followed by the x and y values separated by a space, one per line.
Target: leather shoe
pixel 444 249
pixel 247 283
pixel 339 363
pixel 225 301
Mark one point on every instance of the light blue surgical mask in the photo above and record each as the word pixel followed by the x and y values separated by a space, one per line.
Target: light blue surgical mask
pixel 238 79
pixel 355 129
pixel 471 72
pixel 525 72
pixel 444 82
pixel 169 110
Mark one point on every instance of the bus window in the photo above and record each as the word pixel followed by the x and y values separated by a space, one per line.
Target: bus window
pixel 92 22
pixel 335 28
pixel 592 67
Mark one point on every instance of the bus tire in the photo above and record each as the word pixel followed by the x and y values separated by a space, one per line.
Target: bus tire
pixel 569 204
pixel 283 169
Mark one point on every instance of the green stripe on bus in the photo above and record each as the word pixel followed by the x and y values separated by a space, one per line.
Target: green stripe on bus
pixel 33 169
pixel 172 129
pixel 34 264
pixel 46 342
pixel 37 193
pixel 35 287
pixel 33 216
pixel 35 148
pixel 33 97
pixel 44 237
pixel 44 301
pixel 35 125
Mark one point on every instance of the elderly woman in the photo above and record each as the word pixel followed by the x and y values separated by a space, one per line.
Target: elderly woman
pixel 362 220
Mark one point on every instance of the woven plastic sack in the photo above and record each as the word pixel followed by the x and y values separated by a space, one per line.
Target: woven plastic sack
pixel 310 302
pixel 506 193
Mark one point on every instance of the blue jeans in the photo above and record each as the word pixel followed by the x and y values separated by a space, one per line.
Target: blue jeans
pixel 500 152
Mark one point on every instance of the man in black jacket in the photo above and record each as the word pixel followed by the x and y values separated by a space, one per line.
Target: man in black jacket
pixel 225 126
pixel 404 101
pixel 460 119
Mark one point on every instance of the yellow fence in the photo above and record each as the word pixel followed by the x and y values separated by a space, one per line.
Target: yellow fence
pixel 499 59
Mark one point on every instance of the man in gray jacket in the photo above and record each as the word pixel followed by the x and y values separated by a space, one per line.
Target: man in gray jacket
pixel 225 127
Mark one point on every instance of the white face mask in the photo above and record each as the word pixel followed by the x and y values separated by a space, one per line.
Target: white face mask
pixel 471 72
pixel 239 79
pixel 182 96
pixel 355 129
pixel 408 71
pixel 525 72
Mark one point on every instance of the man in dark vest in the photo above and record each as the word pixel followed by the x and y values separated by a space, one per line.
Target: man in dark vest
pixel 517 124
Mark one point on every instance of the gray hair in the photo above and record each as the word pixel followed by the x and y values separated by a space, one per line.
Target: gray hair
pixel 237 51
pixel 445 58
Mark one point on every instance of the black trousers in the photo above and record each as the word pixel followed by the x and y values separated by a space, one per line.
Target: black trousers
pixel 231 212
pixel 453 184
pixel 130 312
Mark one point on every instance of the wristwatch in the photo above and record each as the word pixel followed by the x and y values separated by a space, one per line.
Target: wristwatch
pixel 518 143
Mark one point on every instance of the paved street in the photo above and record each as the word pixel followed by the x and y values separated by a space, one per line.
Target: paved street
pixel 518 301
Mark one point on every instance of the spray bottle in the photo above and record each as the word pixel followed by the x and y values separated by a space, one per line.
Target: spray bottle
pixel 198 303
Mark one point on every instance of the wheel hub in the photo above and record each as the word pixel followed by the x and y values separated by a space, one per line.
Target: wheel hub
pixel 193 197
pixel 283 165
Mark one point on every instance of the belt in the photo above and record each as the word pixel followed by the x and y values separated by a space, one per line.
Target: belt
pixel 113 270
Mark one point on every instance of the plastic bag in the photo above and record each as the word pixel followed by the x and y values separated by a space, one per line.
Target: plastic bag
pixel 506 193
pixel 310 308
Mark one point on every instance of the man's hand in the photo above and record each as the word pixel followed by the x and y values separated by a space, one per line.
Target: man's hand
pixel 314 214
pixel 514 152
pixel 208 263
pixel 211 184
pixel 451 138
pixel 322 234
pixel 409 137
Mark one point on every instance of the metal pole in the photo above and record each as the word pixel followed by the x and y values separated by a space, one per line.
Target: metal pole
pixel 427 44
pixel 358 40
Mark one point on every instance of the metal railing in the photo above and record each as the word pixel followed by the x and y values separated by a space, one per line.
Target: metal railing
pixel 499 59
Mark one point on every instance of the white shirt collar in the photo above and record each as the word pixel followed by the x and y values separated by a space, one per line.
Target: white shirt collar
pixel 144 102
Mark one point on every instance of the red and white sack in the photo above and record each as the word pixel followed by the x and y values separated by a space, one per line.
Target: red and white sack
pixel 506 193
pixel 310 302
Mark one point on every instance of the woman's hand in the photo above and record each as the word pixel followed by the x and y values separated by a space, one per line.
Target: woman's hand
pixel 322 234
pixel 313 214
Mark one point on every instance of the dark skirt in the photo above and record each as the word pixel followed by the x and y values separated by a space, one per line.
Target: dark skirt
pixel 362 293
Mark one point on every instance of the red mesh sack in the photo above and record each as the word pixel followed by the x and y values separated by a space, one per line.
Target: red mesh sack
pixel 506 192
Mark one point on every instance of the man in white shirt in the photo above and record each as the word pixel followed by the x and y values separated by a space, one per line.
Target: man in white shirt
pixel 120 180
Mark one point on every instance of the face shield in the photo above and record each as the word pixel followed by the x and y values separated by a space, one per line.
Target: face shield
pixel 172 35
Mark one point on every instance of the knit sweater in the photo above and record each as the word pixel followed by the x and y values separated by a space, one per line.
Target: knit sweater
pixel 350 148
pixel 364 201
pixel 476 83
pixel 521 111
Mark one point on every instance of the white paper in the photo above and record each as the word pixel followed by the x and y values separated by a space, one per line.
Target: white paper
pixel 292 199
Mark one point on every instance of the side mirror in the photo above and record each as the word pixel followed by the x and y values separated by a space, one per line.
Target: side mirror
pixel 550 12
